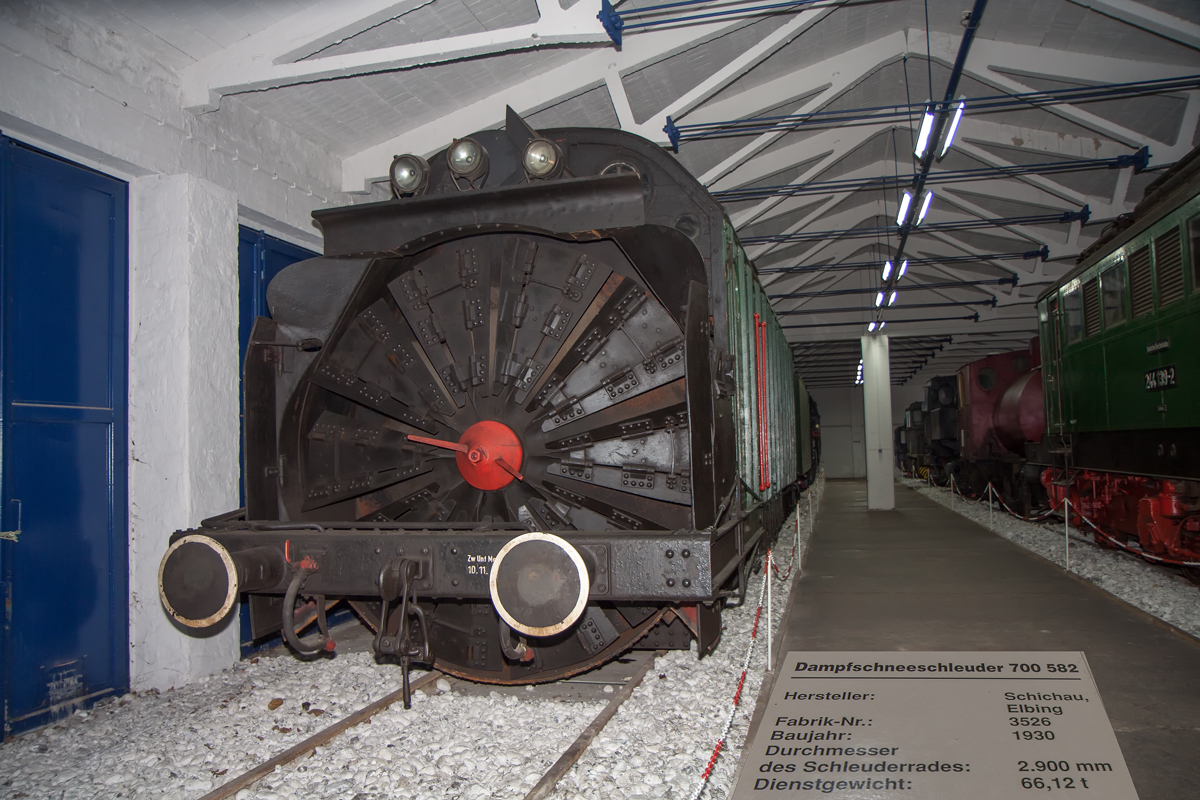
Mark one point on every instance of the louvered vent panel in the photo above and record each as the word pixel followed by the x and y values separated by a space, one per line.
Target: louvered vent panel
pixel 1091 307
pixel 1141 287
pixel 1168 264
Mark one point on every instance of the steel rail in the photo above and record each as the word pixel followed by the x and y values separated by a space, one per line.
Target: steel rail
pixel 540 790
pixel 567 760
pixel 304 748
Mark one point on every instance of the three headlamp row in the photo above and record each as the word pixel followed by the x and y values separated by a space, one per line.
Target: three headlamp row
pixel 468 160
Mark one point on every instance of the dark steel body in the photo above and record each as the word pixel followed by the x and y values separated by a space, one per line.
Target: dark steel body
pixel 622 566
pixel 626 246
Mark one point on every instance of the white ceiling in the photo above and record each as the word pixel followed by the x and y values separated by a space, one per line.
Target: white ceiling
pixel 369 78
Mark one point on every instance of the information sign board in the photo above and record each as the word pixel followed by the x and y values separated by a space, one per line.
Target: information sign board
pixel 935 726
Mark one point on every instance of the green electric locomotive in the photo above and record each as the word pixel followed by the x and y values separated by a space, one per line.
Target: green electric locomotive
pixel 1121 374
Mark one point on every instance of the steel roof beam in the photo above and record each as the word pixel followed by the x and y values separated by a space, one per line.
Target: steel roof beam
pixel 904 113
pixel 1165 25
pixel 598 66
pixel 869 309
pixel 1086 68
pixel 913 262
pixel 897 183
pixel 973 317
pixel 831 78
pixel 251 68
pixel 1015 59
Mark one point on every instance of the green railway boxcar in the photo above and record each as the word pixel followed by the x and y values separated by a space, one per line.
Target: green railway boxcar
pixel 1119 334
pixel 804 423
pixel 764 403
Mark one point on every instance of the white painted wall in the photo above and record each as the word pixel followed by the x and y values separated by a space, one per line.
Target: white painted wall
pixel 90 95
pixel 183 411
pixel 877 416
pixel 842 431
pixel 87 94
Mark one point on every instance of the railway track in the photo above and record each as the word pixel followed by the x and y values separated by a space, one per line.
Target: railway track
pixel 660 745
pixel 542 789
pixel 585 725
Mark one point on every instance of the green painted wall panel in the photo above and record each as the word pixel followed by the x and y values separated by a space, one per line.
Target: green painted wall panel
pixel 1103 377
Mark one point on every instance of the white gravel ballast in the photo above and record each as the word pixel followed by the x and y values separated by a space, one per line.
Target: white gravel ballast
pixel 661 739
pixel 185 742
pixel 1155 590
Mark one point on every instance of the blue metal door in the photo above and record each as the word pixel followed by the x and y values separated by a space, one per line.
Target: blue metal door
pixel 260 258
pixel 64 561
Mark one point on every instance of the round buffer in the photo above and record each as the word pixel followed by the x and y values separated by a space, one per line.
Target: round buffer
pixel 197 581
pixel 539 584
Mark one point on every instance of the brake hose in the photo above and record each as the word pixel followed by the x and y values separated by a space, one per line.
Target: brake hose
pixel 323 642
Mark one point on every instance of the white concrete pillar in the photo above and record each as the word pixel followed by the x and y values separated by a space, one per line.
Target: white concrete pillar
pixel 877 408
pixel 183 404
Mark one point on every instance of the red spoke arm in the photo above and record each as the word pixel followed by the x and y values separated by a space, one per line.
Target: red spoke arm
pixel 461 448
pixel 504 465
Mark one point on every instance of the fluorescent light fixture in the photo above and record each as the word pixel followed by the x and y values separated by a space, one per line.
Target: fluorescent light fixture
pixel 924 206
pixel 887 269
pixel 882 324
pixel 879 300
pixel 926 132
pixel 905 204
pixel 958 112
pixel 892 299
pixel 903 269
pixel 871 328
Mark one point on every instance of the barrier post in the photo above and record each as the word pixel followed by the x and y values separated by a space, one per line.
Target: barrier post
pixel 990 490
pixel 1067 531
pixel 767 577
pixel 796 558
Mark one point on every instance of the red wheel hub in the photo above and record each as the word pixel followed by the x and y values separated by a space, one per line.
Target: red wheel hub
pixel 489 442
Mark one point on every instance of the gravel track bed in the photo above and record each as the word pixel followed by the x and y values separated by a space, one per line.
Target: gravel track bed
pixel 184 742
pixel 1153 589
pixel 661 739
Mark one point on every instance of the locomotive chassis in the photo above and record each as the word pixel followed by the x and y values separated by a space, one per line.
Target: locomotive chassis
pixel 675 578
